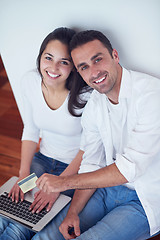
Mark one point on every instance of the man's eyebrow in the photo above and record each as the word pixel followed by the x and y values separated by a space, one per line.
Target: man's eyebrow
pixel 80 65
pixel 95 56
pixel 92 58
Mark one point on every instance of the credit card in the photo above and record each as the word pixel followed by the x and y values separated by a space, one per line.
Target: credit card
pixel 28 183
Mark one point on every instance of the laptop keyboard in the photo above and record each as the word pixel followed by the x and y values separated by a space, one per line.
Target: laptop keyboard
pixel 20 209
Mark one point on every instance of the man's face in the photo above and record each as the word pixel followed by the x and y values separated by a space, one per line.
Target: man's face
pixel 97 67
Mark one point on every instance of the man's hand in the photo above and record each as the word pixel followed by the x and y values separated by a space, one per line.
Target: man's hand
pixel 42 200
pixel 70 226
pixel 51 183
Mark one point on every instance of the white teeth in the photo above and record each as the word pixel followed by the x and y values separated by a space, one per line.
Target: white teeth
pixel 100 80
pixel 52 75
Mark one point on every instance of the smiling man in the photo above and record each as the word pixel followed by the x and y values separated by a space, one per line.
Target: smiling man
pixel 101 71
pixel 117 196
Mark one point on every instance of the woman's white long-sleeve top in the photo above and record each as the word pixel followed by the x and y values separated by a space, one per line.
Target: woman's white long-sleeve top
pixel 60 132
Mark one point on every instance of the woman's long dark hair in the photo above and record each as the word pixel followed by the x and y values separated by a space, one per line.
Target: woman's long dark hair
pixel 74 82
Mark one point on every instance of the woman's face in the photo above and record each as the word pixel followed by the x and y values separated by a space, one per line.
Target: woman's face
pixel 55 64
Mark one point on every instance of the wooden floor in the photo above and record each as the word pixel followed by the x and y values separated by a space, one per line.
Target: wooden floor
pixel 10 131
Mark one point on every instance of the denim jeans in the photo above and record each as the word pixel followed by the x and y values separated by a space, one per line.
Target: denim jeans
pixel 113 213
pixel 13 231
pixel 40 164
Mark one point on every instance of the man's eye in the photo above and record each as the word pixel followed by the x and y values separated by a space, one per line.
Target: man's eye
pixel 84 68
pixel 98 60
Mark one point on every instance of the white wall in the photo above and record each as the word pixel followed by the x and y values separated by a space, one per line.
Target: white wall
pixel 133 26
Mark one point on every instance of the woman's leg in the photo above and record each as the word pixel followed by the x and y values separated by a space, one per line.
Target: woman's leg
pixel 41 164
pixel 51 231
pixel 13 231
pixel 88 218
pixel 3 224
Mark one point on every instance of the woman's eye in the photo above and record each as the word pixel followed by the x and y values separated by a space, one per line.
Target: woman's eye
pixel 48 58
pixel 64 63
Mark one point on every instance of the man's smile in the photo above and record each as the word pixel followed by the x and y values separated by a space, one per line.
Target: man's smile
pixel 100 80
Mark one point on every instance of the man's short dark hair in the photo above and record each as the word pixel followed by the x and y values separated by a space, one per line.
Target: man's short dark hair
pixel 83 37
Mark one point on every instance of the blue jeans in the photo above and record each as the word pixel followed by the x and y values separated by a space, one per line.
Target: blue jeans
pixel 113 213
pixel 13 231
pixel 40 164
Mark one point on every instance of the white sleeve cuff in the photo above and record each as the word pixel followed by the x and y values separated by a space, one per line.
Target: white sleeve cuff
pixel 88 168
pixel 30 136
pixel 126 167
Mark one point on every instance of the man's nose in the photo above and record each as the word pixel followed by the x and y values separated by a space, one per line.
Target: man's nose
pixel 94 72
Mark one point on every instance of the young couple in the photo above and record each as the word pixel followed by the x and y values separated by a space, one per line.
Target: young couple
pixel 118 159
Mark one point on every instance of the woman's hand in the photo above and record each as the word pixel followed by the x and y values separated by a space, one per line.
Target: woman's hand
pixel 42 200
pixel 16 193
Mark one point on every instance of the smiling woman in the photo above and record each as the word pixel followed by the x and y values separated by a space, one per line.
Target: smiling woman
pixel 53 105
pixel 55 64
pixel 55 67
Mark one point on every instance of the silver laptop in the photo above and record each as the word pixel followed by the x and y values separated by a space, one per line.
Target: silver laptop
pixel 19 211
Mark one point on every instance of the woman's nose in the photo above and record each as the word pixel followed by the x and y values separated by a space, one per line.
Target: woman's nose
pixel 54 65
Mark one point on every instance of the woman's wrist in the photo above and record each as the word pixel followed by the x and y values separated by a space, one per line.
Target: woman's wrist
pixel 23 173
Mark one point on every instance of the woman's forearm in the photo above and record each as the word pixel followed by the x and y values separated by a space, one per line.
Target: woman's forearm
pixel 73 167
pixel 28 150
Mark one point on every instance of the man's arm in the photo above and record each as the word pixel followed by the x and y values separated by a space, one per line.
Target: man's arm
pixel 104 177
pixel 79 200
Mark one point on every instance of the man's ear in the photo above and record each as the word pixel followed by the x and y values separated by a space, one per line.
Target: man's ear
pixel 115 55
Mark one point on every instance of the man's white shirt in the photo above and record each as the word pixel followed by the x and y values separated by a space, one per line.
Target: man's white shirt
pixel 129 135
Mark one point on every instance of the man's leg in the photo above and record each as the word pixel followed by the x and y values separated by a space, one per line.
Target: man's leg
pixel 111 213
pixel 125 220
pixel 125 223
